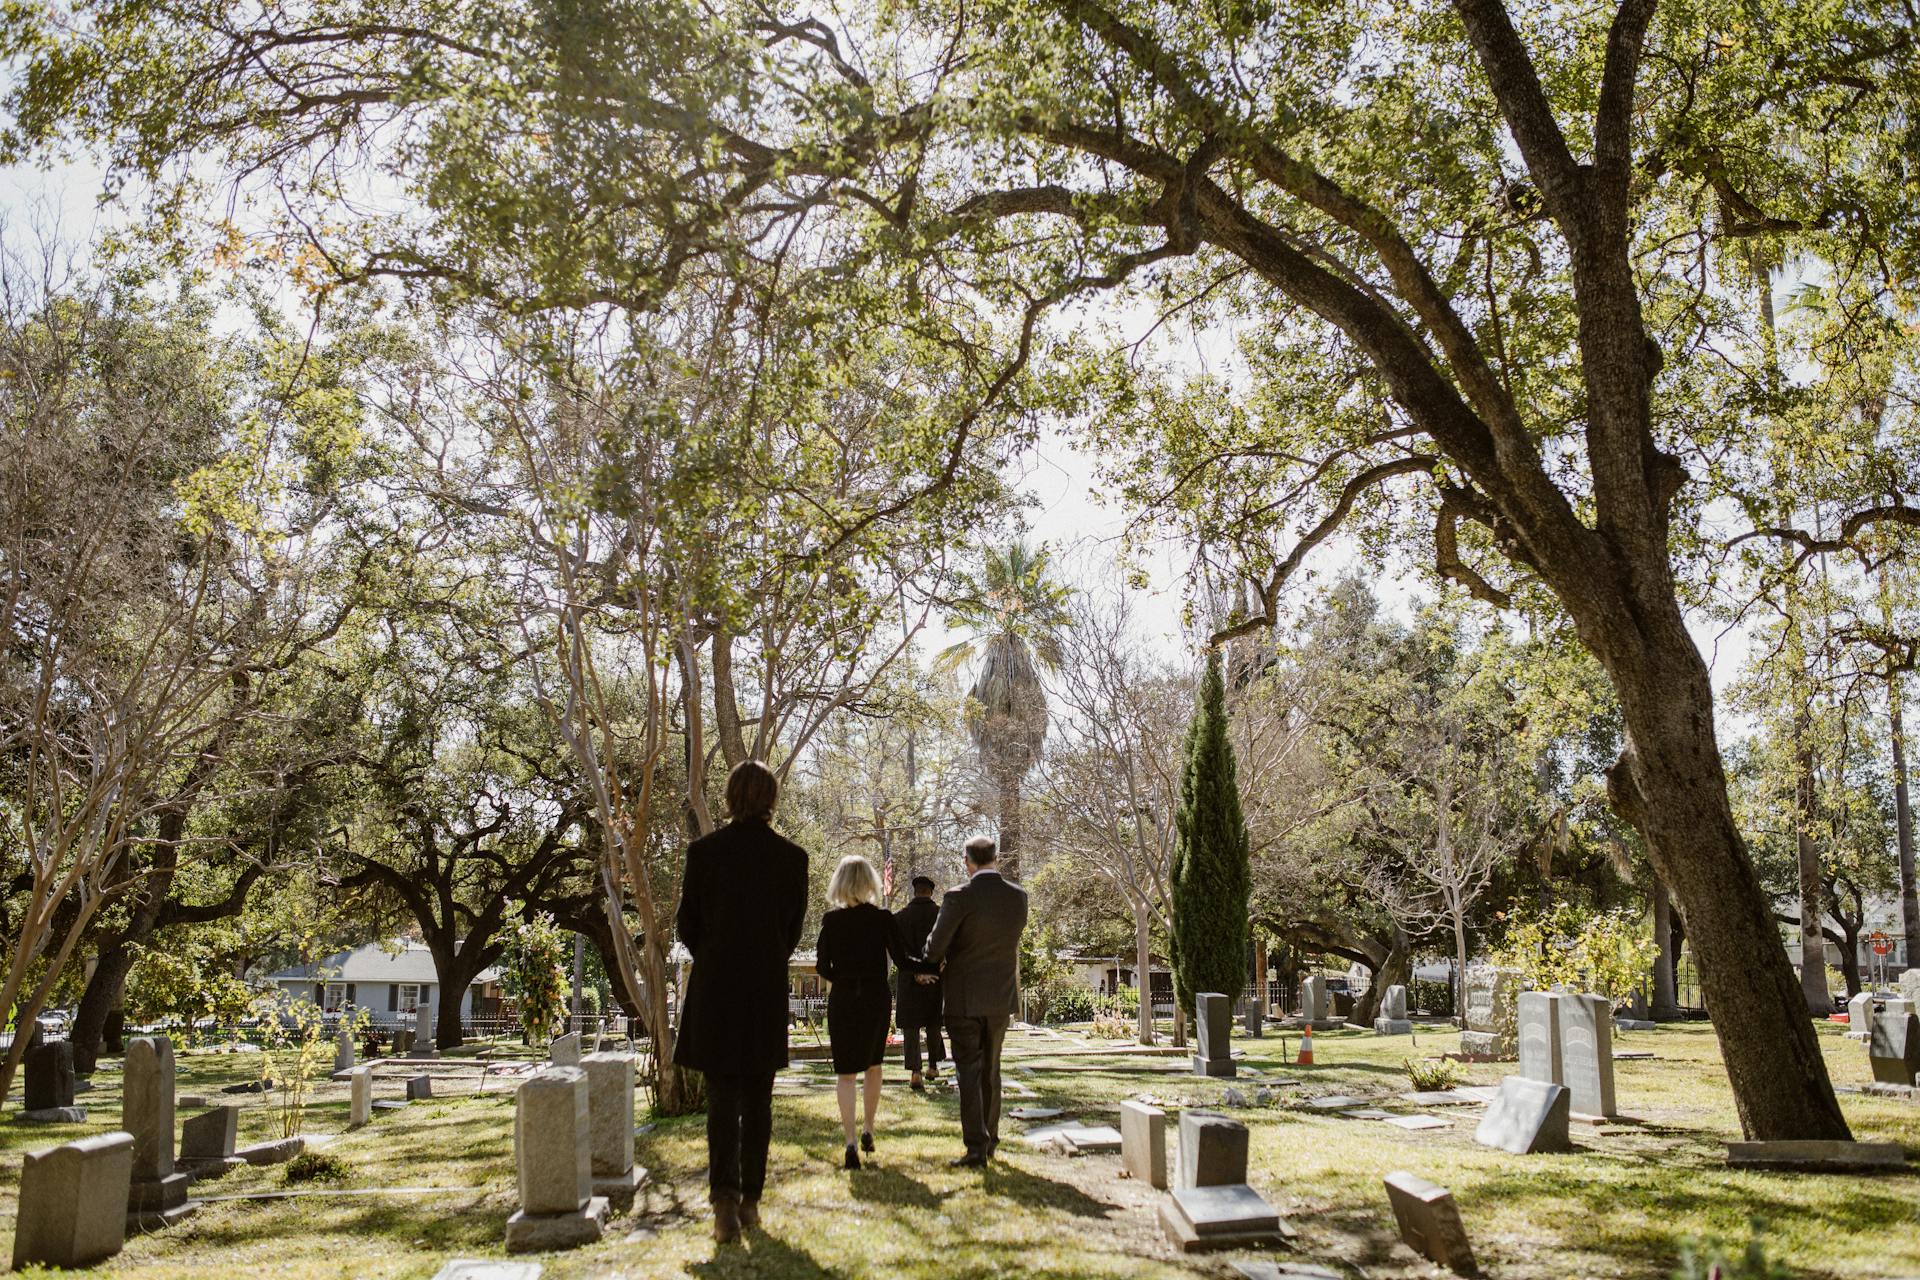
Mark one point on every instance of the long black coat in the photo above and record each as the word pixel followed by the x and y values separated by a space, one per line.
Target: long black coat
pixel 916 1004
pixel 742 906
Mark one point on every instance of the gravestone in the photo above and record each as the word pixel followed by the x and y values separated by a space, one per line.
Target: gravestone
pixel 1256 1019
pixel 361 1085
pixel 402 1041
pixel 565 1051
pixel 1222 1217
pixel 273 1151
pixel 1429 1221
pixel 343 1052
pixel 1538 1023
pixel 1089 1140
pixel 1214 1024
pixel 156 1191
pixel 72 1209
pixel 419 1088
pixel 1143 1142
pixel 1491 1012
pixel 1313 998
pixel 610 1119
pixel 1525 1117
pixel 206 1141
pixel 1586 1052
pixel 552 1151
pixel 487 1269
pixel 49 1085
pixel 1392 1019
pixel 1894 1049
pixel 1860 1016
pixel 1213 1150
pixel 1910 984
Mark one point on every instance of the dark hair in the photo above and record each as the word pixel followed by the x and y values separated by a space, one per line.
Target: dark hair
pixel 923 884
pixel 751 791
pixel 981 851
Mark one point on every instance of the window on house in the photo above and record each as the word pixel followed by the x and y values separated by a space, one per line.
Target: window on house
pixel 334 996
pixel 409 997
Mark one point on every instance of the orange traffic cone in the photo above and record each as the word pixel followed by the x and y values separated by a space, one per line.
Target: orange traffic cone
pixel 1306 1048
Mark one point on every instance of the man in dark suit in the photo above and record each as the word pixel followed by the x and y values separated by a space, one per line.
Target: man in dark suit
pixel 977 934
pixel 742 905
pixel 916 997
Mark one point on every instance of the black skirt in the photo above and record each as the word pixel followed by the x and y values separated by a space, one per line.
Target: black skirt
pixel 858 1015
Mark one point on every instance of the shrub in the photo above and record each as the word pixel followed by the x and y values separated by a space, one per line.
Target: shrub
pixel 1114 1026
pixel 1073 1002
pixel 1713 1259
pixel 317 1166
pixel 1431 1076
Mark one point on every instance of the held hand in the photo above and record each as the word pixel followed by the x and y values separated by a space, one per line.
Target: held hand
pixel 926 979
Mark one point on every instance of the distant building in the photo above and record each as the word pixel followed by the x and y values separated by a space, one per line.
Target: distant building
pixel 389 979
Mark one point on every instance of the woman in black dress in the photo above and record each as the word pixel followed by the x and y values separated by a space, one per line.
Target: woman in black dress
pixel 856 937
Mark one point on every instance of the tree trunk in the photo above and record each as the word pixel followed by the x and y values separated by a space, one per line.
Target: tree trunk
pixel 1010 826
pixel 1143 969
pixel 1460 968
pixel 1903 825
pixel 1392 969
pixel 97 1002
pixel 1813 946
pixel 1671 784
pixel 1179 1025
pixel 1848 944
pixel 454 967
pixel 1666 987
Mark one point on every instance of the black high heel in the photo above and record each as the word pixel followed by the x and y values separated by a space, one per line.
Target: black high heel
pixel 853 1156
pixel 866 1143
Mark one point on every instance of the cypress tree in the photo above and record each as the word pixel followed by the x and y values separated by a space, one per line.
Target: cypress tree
pixel 1211 878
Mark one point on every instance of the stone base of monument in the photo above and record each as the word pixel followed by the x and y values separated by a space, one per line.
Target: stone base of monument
pixel 1634 1024
pixel 210 1166
pixel 1230 1217
pixel 53 1115
pixel 537 1232
pixel 1862 1036
pixel 278 1151
pixel 1393 1026
pixel 1907 1091
pixel 153 1204
pixel 1486 1046
pixel 620 1190
pixel 1212 1066
pixel 1815 1155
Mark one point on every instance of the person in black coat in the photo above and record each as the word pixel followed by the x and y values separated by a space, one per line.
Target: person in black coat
pixel 856 938
pixel 916 996
pixel 742 905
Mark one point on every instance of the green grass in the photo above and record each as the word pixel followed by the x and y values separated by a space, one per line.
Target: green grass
pixel 1619 1206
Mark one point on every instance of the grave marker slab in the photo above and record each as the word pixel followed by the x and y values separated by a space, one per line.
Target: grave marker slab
pixel 1090 1140
pixel 206 1141
pixel 1894 1047
pixel 1313 998
pixel 1143 1142
pixel 486 1269
pixel 1586 1049
pixel 552 1152
pixel 1418 1122
pixel 1336 1102
pixel 155 1190
pixel 360 1084
pixel 565 1051
pixel 1528 1116
pixel 1213 1150
pixel 49 1085
pixel 1537 1021
pixel 72 1209
pixel 1036 1113
pixel 1214 1023
pixel 610 1118
pixel 419 1088
pixel 1429 1221
pixel 1221 1217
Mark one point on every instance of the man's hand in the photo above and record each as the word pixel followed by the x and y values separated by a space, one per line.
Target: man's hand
pixel 926 979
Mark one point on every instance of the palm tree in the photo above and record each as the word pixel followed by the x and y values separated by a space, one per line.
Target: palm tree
pixel 1016 613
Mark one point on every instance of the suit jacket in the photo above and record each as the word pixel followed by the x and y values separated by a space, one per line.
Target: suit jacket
pixel 916 1004
pixel 742 905
pixel 978 935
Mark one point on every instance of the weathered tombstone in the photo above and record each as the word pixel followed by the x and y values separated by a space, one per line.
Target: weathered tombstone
pixel 1213 1150
pixel 1860 1016
pixel 361 1084
pixel 566 1050
pixel 1225 1217
pixel 1894 1048
pixel 272 1151
pixel 419 1088
pixel 1256 1019
pixel 1910 983
pixel 610 1113
pixel 487 1269
pixel 156 1191
pixel 1090 1140
pixel 1313 998
pixel 206 1141
pixel 49 1085
pixel 558 1209
pixel 1525 1117
pixel 72 1209
pixel 1392 1019
pixel 343 1052
pixel 1491 1012
pixel 1586 1052
pixel 1214 1024
pixel 1143 1142
pixel 1429 1221
pixel 1537 1020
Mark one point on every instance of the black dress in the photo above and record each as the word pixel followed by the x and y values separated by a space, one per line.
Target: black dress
pixel 855 943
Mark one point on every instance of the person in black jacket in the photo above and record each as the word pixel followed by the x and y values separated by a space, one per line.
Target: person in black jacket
pixel 916 997
pixel 856 938
pixel 742 905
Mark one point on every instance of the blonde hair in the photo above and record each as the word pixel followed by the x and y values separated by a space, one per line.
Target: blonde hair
pixel 854 881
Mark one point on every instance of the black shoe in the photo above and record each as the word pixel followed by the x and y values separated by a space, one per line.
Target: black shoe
pixel 853 1156
pixel 866 1143
pixel 917 1087
pixel 971 1160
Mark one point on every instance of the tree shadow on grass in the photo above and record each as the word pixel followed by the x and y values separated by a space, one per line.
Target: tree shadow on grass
pixel 1031 1189
pixel 764 1256
pixel 880 1185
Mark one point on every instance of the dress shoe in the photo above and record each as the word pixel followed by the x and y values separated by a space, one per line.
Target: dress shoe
pixel 853 1156
pixel 866 1142
pixel 917 1087
pixel 971 1160
pixel 726 1219
pixel 750 1213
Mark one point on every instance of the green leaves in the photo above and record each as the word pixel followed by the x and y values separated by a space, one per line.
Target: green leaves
pixel 1211 877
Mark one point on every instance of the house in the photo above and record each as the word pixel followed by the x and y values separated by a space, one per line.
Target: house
pixel 390 979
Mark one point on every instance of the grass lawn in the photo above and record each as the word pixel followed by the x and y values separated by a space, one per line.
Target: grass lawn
pixel 1621 1205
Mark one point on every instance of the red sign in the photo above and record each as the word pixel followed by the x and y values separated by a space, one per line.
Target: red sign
pixel 1880 942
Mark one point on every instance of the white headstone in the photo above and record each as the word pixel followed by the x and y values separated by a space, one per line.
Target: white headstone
pixel 1394 1003
pixel 343 1051
pixel 1538 1022
pixel 1143 1142
pixel 1586 1050
pixel 566 1050
pixel 1313 998
pixel 1525 1117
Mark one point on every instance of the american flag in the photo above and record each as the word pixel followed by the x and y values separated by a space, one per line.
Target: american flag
pixel 886 876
